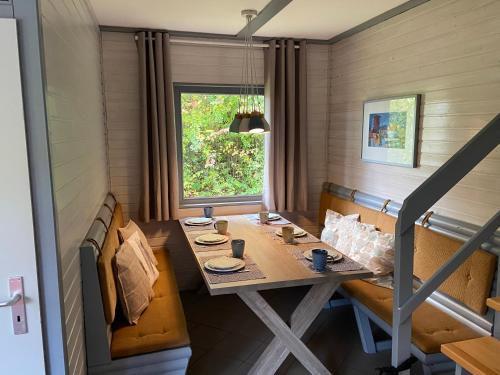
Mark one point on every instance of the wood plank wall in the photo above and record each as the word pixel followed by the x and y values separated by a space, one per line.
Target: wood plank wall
pixel 77 144
pixel 191 64
pixel 447 50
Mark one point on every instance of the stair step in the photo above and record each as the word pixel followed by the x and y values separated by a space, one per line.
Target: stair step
pixel 494 303
pixel 478 356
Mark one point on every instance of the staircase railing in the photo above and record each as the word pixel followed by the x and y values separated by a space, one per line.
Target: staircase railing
pixel 418 202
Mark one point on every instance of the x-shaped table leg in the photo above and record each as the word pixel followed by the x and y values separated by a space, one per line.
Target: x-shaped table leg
pixel 288 338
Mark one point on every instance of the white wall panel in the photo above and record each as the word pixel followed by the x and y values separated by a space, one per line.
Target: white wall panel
pixel 446 50
pixel 77 144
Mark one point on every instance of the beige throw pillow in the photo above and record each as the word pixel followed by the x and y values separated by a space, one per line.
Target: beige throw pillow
pixel 133 286
pixel 141 253
pixel 129 230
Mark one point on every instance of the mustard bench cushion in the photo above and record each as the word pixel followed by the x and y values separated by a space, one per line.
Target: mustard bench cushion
pixel 161 326
pixel 470 283
pixel 430 326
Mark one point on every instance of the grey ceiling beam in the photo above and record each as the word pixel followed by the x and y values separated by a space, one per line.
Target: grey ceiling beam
pixel 195 34
pixel 378 19
pixel 269 11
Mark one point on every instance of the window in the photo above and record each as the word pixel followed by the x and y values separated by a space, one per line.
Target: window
pixel 216 166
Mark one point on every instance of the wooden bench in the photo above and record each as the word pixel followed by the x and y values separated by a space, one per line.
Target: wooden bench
pixel 159 343
pixel 456 312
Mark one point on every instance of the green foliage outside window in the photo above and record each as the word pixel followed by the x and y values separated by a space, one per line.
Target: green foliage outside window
pixel 217 163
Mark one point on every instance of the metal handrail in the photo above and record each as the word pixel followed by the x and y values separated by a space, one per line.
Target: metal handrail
pixel 419 201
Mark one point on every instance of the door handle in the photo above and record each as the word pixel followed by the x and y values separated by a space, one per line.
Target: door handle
pixel 12 301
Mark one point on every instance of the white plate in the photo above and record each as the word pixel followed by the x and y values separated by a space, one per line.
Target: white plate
pixel 273 217
pixel 297 232
pixel 199 221
pixel 211 237
pixel 202 240
pixel 224 263
pixel 333 255
pixel 226 270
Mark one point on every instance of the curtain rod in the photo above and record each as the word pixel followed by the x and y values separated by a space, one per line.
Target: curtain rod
pixel 213 43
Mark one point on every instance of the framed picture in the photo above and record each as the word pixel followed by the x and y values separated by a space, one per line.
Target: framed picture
pixel 390 131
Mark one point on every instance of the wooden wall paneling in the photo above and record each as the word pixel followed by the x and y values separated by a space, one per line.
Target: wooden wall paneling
pixel 219 65
pixel 448 52
pixel 77 143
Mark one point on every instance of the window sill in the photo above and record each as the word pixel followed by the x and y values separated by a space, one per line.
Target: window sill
pixel 220 204
pixel 221 208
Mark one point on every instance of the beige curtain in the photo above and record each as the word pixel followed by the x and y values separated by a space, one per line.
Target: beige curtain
pixel 158 156
pixel 285 181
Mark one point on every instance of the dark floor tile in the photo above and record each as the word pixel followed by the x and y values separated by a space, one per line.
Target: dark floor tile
pixel 256 353
pixel 216 365
pixel 206 337
pixel 191 325
pixel 245 368
pixel 252 327
pixel 352 371
pixel 198 352
pixel 296 369
pixel 236 346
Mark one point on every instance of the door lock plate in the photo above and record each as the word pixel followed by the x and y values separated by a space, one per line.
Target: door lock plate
pixel 19 308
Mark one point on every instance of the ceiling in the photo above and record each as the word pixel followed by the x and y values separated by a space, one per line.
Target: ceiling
pixel 311 19
pixel 323 19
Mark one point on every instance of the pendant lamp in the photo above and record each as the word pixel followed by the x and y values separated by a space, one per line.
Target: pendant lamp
pixel 250 118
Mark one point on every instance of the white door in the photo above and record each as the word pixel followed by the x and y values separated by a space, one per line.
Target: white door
pixel 22 353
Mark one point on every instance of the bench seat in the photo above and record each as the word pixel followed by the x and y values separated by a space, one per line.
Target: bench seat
pixel 162 325
pixel 430 326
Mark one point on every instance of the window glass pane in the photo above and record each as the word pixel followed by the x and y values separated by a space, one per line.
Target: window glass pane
pixel 217 163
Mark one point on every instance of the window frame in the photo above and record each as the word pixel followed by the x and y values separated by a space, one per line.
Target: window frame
pixel 190 88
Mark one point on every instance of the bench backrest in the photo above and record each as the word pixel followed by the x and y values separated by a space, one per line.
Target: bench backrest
pixel 470 284
pixel 98 283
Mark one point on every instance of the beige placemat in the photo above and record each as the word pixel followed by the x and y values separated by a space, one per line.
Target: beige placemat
pixel 345 264
pixel 250 272
pixel 309 238
pixel 196 247
pixel 195 228
pixel 254 219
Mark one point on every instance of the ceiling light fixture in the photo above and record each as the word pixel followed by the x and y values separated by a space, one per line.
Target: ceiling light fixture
pixel 250 118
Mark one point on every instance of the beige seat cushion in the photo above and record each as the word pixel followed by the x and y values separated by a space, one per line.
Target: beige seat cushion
pixel 430 326
pixel 105 265
pixel 133 285
pixel 161 326
pixel 129 230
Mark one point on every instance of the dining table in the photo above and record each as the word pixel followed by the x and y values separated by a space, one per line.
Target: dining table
pixel 272 264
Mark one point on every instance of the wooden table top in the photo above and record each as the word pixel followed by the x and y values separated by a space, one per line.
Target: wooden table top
pixel 478 356
pixel 278 265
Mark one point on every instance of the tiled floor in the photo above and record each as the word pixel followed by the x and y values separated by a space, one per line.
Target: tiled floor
pixel 227 338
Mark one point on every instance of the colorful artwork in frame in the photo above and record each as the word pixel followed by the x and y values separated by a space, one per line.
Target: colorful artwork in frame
pixel 390 129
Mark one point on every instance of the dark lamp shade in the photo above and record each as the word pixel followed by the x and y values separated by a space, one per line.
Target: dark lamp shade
pixel 235 125
pixel 258 124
